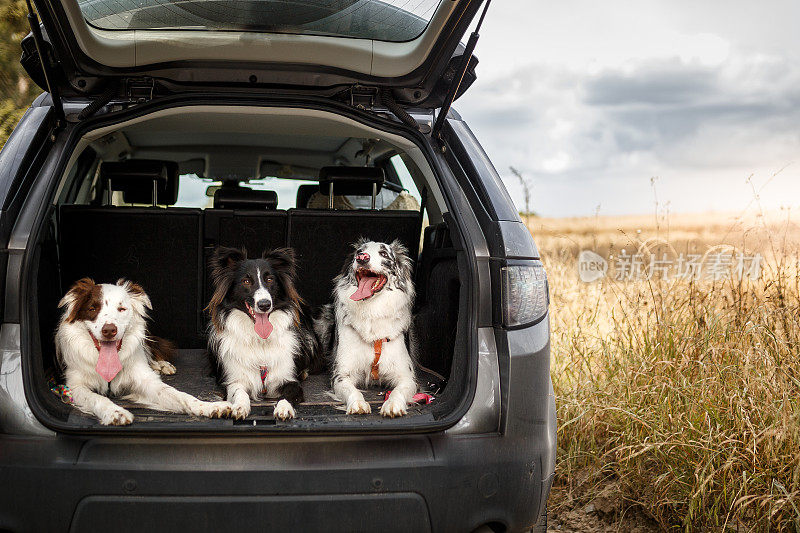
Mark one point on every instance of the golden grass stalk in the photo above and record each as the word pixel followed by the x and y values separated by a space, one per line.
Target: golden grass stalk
pixel 686 395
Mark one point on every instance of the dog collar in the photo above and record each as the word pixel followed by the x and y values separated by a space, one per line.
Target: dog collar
pixel 97 343
pixel 378 348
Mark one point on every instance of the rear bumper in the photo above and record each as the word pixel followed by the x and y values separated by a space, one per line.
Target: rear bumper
pixel 446 481
pixel 435 482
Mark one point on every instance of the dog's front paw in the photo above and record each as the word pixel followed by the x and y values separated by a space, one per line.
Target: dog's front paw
pixel 394 406
pixel 165 368
pixel 240 412
pixel 357 406
pixel 284 410
pixel 214 409
pixel 116 417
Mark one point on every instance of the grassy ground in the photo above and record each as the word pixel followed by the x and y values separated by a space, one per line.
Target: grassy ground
pixel 678 400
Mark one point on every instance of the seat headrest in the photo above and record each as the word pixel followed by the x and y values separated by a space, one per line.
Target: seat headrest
pixel 135 178
pixel 244 198
pixel 355 181
pixel 304 194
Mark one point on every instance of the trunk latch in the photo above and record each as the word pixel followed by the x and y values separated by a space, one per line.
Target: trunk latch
pixel 363 97
pixel 140 90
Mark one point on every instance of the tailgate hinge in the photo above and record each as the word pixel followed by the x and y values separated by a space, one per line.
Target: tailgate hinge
pixel 363 97
pixel 139 90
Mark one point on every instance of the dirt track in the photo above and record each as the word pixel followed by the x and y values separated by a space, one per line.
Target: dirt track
pixel 602 515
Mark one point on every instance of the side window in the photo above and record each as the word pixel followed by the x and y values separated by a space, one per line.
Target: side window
pixel 196 192
pixel 285 188
pixel 405 176
pixel 80 179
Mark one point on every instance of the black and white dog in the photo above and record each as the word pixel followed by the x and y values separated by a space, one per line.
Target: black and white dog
pixel 103 347
pixel 261 336
pixel 367 328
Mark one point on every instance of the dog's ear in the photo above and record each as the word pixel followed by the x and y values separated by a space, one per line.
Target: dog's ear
pixel 139 299
pixel 223 263
pixel 225 258
pixel 404 262
pixel 283 260
pixel 76 297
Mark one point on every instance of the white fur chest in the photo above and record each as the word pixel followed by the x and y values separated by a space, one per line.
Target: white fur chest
pixel 385 315
pixel 242 352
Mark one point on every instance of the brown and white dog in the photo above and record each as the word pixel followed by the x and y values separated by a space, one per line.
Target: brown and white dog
pixel 103 348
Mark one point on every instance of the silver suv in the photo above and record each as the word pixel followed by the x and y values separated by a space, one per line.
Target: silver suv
pixel 169 128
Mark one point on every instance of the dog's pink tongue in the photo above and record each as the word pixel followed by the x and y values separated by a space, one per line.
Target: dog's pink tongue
pixel 263 325
pixel 108 363
pixel 364 289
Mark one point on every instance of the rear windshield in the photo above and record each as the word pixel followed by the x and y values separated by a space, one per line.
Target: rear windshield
pixel 384 20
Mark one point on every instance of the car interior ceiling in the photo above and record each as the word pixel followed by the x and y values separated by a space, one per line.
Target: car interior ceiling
pixel 115 217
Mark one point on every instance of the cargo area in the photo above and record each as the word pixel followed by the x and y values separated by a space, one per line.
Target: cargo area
pixel 151 198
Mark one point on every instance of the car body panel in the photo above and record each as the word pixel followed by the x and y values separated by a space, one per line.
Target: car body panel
pixel 16 417
pixel 495 465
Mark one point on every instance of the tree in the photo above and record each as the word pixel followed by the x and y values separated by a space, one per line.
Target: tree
pixel 527 185
pixel 17 91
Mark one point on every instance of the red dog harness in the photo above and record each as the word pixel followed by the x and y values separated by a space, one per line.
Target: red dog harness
pixel 264 373
pixel 378 347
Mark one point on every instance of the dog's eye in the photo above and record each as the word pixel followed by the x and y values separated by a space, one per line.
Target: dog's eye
pixel 92 308
pixel 270 279
pixel 384 254
pixel 246 281
pixel 122 309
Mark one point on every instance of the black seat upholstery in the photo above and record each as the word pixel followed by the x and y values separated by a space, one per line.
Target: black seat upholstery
pixel 160 249
pixel 255 231
pixel 167 250
pixel 322 240
pixel 157 248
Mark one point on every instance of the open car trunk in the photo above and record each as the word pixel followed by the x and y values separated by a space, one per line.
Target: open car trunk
pixel 97 229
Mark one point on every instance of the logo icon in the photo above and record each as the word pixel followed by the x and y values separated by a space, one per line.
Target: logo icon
pixel 591 266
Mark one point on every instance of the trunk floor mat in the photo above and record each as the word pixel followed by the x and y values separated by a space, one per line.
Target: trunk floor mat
pixel 194 376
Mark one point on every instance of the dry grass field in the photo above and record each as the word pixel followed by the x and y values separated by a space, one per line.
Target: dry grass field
pixel 678 399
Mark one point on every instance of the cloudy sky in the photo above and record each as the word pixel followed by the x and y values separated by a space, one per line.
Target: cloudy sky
pixel 591 100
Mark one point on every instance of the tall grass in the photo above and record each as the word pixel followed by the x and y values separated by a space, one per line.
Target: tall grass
pixel 683 395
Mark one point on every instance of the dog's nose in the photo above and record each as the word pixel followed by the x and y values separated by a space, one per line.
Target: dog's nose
pixel 109 331
pixel 263 305
pixel 362 258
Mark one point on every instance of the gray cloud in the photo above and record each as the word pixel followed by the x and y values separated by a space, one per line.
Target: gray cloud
pixel 654 85
pixel 702 103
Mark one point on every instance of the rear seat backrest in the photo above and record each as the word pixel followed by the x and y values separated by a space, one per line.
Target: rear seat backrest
pixel 322 242
pixel 154 247
pixel 322 238
pixel 157 248
pixel 241 218
pixel 167 250
pixel 254 231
